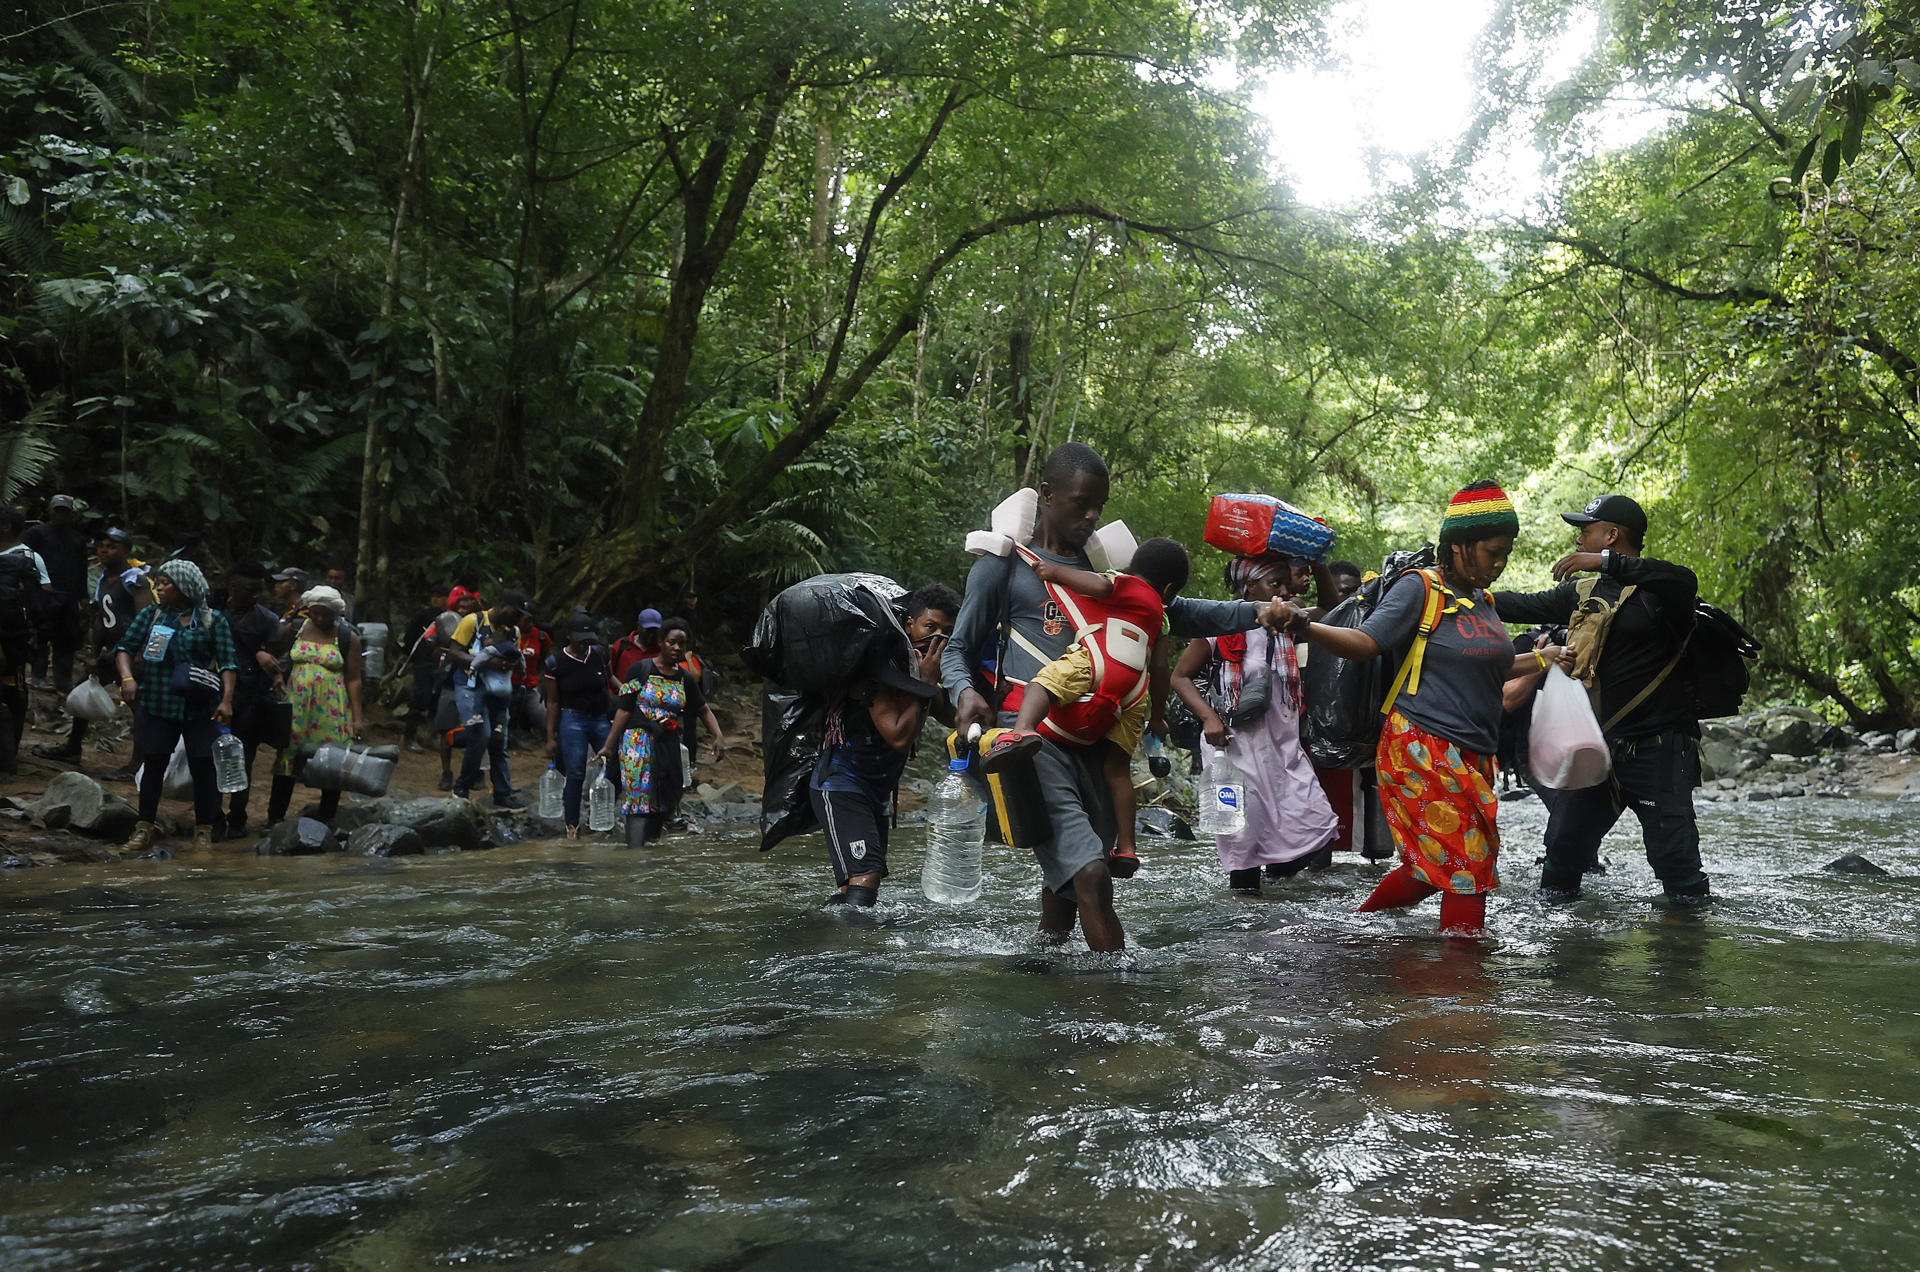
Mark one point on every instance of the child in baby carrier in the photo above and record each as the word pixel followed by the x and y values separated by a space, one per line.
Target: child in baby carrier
pixel 1099 693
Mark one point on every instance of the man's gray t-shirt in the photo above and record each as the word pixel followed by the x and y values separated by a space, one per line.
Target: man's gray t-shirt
pixel 1039 631
pixel 1467 660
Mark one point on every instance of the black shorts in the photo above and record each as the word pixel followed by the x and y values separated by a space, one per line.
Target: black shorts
pixel 856 827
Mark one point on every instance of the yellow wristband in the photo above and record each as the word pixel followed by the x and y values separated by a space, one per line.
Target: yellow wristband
pixel 126 680
pixel 1543 659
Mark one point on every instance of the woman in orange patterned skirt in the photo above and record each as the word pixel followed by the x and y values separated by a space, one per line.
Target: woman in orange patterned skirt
pixel 1435 757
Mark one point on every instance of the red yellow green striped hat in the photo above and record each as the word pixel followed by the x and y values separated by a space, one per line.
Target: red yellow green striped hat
pixel 1481 511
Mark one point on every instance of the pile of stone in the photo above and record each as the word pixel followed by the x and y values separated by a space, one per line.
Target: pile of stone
pixel 1786 753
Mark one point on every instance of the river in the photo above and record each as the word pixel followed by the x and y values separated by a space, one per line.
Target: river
pixel 575 1057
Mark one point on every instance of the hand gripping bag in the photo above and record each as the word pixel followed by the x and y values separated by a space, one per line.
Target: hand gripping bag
pixel 1566 750
pixel 1341 724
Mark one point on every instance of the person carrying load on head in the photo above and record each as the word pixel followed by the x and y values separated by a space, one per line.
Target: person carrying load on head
pixel 1628 628
pixel 870 731
pixel 1435 754
pixel 1290 824
pixel 1007 605
pixel 1098 694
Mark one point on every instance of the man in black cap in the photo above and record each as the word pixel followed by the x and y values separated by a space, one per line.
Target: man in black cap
pixel 121 593
pixel 1634 621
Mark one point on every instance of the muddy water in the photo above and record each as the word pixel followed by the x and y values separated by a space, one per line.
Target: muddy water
pixel 581 1057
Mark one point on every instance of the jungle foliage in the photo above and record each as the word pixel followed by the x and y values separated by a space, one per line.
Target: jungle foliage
pixel 610 298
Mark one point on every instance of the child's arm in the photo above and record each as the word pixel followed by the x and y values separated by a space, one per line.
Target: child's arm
pixel 1095 586
pixel 1120 784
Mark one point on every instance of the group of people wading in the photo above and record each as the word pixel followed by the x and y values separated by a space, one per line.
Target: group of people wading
pixel 1444 627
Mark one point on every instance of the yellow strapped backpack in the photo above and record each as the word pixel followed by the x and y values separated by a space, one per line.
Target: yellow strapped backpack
pixel 1440 601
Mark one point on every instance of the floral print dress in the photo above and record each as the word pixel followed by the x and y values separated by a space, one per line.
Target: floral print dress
pixel 650 777
pixel 317 687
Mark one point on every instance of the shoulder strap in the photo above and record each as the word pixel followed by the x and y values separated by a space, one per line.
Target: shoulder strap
pixel 1638 698
pixel 1434 605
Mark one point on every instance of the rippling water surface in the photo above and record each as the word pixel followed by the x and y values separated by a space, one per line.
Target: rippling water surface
pixel 582 1057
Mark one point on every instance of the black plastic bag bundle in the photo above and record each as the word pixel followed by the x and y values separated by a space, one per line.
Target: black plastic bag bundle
pixel 792 729
pixel 823 631
pixel 1341 725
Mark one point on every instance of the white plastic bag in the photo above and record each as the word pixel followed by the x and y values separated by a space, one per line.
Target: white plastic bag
pixel 90 701
pixel 1567 751
pixel 178 782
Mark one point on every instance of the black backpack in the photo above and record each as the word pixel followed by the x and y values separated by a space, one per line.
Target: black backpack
pixel 19 598
pixel 1715 670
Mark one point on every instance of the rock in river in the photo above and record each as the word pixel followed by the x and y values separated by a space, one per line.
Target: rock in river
pixel 77 802
pixel 1853 863
pixel 385 841
pixel 297 837
pixel 1791 735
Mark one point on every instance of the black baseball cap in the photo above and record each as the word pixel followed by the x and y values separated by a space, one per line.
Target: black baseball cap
pixel 116 534
pixel 898 677
pixel 1618 509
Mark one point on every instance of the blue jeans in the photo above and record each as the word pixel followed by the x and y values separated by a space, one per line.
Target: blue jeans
pixel 580 736
pixel 486 724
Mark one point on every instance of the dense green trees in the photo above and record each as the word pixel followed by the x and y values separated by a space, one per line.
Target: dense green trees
pixel 608 296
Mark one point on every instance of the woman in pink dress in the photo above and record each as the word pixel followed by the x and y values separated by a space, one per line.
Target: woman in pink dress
pixel 1290 825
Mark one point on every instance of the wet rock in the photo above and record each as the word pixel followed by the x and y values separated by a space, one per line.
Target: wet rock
pixel 371 812
pixel 1162 823
pixel 1837 739
pixel 534 826
pixel 75 801
pixel 1761 792
pixel 1853 863
pixel 1878 743
pixel 1790 735
pixel 385 841
pixel 504 830
pixel 1907 741
pixel 1725 757
pixel 443 823
pixel 731 793
pixel 297 837
pixel 1792 790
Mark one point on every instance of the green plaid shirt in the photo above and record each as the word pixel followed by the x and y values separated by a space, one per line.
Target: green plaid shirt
pixel 201 646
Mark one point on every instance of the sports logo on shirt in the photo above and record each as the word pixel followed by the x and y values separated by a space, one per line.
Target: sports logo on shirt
pixel 859 849
pixel 1053 622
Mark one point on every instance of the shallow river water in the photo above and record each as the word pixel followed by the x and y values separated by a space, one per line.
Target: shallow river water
pixel 582 1057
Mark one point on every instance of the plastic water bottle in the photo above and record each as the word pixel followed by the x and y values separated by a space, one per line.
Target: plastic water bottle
pixel 1223 797
pixel 600 799
pixel 553 790
pixel 1159 763
pixel 229 763
pixel 956 839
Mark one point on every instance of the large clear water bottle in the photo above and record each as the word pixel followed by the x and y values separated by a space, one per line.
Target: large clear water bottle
pixel 553 792
pixel 229 763
pixel 956 839
pixel 1223 796
pixel 600 799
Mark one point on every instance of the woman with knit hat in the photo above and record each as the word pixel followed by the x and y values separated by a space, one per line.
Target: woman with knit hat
pixel 1442 724
pixel 323 683
pixel 177 666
